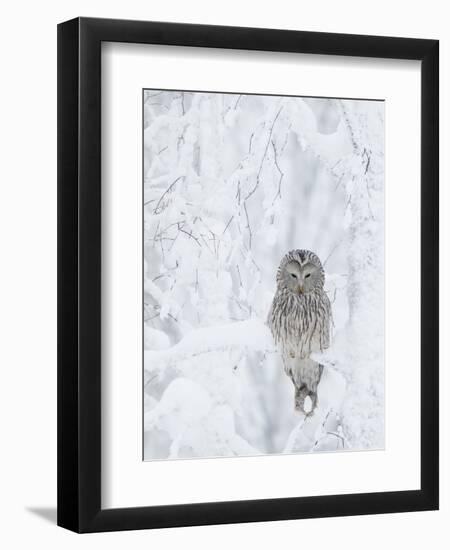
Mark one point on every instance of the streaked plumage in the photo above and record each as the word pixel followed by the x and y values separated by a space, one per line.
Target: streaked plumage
pixel 300 319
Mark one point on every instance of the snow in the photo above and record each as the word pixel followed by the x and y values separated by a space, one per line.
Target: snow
pixel 155 339
pixel 192 420
pixel 251 335
pixel 231 183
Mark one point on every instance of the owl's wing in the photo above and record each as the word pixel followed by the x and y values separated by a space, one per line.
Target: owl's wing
pixel 328 321
pixel 325 320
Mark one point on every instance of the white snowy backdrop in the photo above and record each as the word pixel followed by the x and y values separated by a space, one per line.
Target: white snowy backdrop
pixel 231 183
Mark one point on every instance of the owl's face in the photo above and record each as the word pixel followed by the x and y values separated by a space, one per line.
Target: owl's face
pixel 301 273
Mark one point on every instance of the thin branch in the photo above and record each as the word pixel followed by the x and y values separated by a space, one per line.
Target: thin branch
pixel 275 157
pixel 365 152
pixel 250 143
pixel 265 154
pixel 190 235
pixel 286 139
pixel 168 190
pixel 248 226
pixel 228 224
pixel 332 251
pixel 206 243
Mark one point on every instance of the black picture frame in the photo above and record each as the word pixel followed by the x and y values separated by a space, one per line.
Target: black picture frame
pixel 79 274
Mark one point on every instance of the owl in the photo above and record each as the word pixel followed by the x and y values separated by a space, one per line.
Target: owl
pixel 300 319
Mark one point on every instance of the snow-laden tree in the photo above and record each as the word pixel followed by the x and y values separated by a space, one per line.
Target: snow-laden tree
pixel 231 183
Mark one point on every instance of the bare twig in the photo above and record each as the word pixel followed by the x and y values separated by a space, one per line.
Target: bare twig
pixel 335 247
pixel 258 175
pixel 280 172
pixel 149 201
pixel 228 224
pixel 248 226
pixel 365 152
pixel 286 138
pixel 190 235
pixel 157 209
pixel 206 243
pixel 250 143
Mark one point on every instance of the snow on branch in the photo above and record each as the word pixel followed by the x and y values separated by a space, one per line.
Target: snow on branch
pixel 250 335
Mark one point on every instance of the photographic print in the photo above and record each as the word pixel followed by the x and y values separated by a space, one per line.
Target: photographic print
pixel 263 274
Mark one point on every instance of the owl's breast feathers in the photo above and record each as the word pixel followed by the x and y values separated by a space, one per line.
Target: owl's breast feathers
pixel 300 324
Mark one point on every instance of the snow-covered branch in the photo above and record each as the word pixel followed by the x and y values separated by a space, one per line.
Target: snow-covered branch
pixel 247 336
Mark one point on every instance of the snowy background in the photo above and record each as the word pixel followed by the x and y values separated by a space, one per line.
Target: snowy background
pixel 231 183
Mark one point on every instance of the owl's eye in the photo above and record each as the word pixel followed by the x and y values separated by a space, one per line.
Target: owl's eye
pixel 307 275
pixel 293 275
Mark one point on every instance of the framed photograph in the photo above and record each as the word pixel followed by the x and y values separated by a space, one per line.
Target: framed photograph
pixel 247 274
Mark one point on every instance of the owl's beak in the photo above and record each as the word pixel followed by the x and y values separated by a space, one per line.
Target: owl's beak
pixel 301 289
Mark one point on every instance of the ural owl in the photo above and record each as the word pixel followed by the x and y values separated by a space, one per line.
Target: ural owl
pixel 300 319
